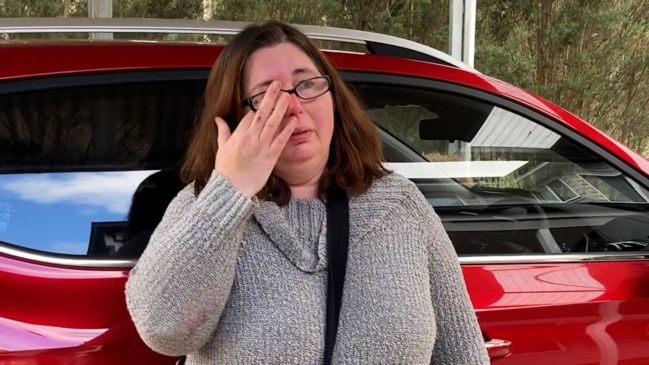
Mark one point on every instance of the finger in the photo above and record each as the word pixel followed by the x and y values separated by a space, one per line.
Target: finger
pixel 266 106
pixel 282 138
pixel 244 123
pixel 272 125
pixel 223 131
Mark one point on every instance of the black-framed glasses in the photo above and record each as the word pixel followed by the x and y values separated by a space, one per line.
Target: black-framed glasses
pixel 306 90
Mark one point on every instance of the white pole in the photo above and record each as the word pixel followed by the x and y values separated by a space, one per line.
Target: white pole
pixel 461 45
pixel 468 41
pixel 461 35
pixel 455 23
pixel 100 9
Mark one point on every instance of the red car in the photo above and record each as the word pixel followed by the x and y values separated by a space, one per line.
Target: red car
pixel 549 216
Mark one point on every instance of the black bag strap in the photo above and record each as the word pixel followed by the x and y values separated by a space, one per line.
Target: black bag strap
pixel 337 244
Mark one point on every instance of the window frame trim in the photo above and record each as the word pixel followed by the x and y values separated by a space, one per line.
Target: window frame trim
pixel 101 78
pixel 50 258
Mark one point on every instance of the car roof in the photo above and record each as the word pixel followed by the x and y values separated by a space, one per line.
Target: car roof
pixel 384 54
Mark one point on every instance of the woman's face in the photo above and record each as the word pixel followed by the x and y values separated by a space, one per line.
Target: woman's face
pixel 309 144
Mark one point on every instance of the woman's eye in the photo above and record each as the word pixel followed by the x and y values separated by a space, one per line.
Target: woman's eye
pixel 256 101
pixel 258 98
pixel 306 84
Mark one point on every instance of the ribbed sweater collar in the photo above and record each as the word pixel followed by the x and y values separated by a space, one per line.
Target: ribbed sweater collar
pixel 298 230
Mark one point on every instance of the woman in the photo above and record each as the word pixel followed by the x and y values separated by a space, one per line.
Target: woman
pixel 236 272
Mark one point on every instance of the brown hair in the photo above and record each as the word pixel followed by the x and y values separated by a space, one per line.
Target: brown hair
pixel 355 157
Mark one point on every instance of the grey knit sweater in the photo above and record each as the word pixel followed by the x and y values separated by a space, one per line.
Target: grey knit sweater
pixel 232 280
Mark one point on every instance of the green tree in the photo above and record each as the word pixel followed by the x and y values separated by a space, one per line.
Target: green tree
pixel 590 56
pixel 32 8
pixel 168 9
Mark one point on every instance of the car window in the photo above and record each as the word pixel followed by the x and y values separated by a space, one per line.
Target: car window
pixel 89 169
pixel 503 183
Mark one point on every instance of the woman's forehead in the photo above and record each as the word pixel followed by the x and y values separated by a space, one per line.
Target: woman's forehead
pixel 277 62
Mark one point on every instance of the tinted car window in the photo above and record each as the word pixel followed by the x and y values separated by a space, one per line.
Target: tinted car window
pixel 505 184
pixel 88 170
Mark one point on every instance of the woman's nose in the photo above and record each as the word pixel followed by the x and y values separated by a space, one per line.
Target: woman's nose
pixel 294 105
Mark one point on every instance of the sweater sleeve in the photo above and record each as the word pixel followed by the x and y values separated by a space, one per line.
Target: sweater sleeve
pixel 178 289
pixel 459 339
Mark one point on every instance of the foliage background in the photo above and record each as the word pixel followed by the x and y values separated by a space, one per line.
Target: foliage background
pixel 589 56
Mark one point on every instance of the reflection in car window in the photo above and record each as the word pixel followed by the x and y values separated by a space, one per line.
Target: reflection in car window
pixel 504 184
pixel 89 170
pixel 61 212
pixel 114 127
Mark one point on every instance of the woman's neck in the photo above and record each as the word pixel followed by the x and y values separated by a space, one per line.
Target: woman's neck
pixel 305 191
pixel 304 188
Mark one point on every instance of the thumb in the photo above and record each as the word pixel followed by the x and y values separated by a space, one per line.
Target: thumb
pixel 223 131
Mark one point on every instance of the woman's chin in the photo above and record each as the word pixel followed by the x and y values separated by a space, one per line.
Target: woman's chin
pixel 298 153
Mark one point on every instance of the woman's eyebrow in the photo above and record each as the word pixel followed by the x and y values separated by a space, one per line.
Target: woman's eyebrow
pixel 261 84
pixel 297 71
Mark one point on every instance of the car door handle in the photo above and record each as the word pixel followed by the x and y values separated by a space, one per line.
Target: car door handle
pixel 498 349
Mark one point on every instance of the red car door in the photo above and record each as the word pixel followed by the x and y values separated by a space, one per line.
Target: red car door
pixel 552 229
pixel 565 312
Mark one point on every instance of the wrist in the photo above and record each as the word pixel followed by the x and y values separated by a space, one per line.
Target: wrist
pixel 241 185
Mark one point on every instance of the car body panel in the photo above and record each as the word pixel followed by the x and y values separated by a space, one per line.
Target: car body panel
pixel 549 311
pixel 55 314
pixel 546 310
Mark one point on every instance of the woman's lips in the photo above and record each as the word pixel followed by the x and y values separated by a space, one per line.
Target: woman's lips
pixel 300 136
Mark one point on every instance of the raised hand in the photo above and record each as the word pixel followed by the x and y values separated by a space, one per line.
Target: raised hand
pixel 247 156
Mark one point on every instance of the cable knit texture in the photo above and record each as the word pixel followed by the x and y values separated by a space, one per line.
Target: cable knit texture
pixel 232 280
